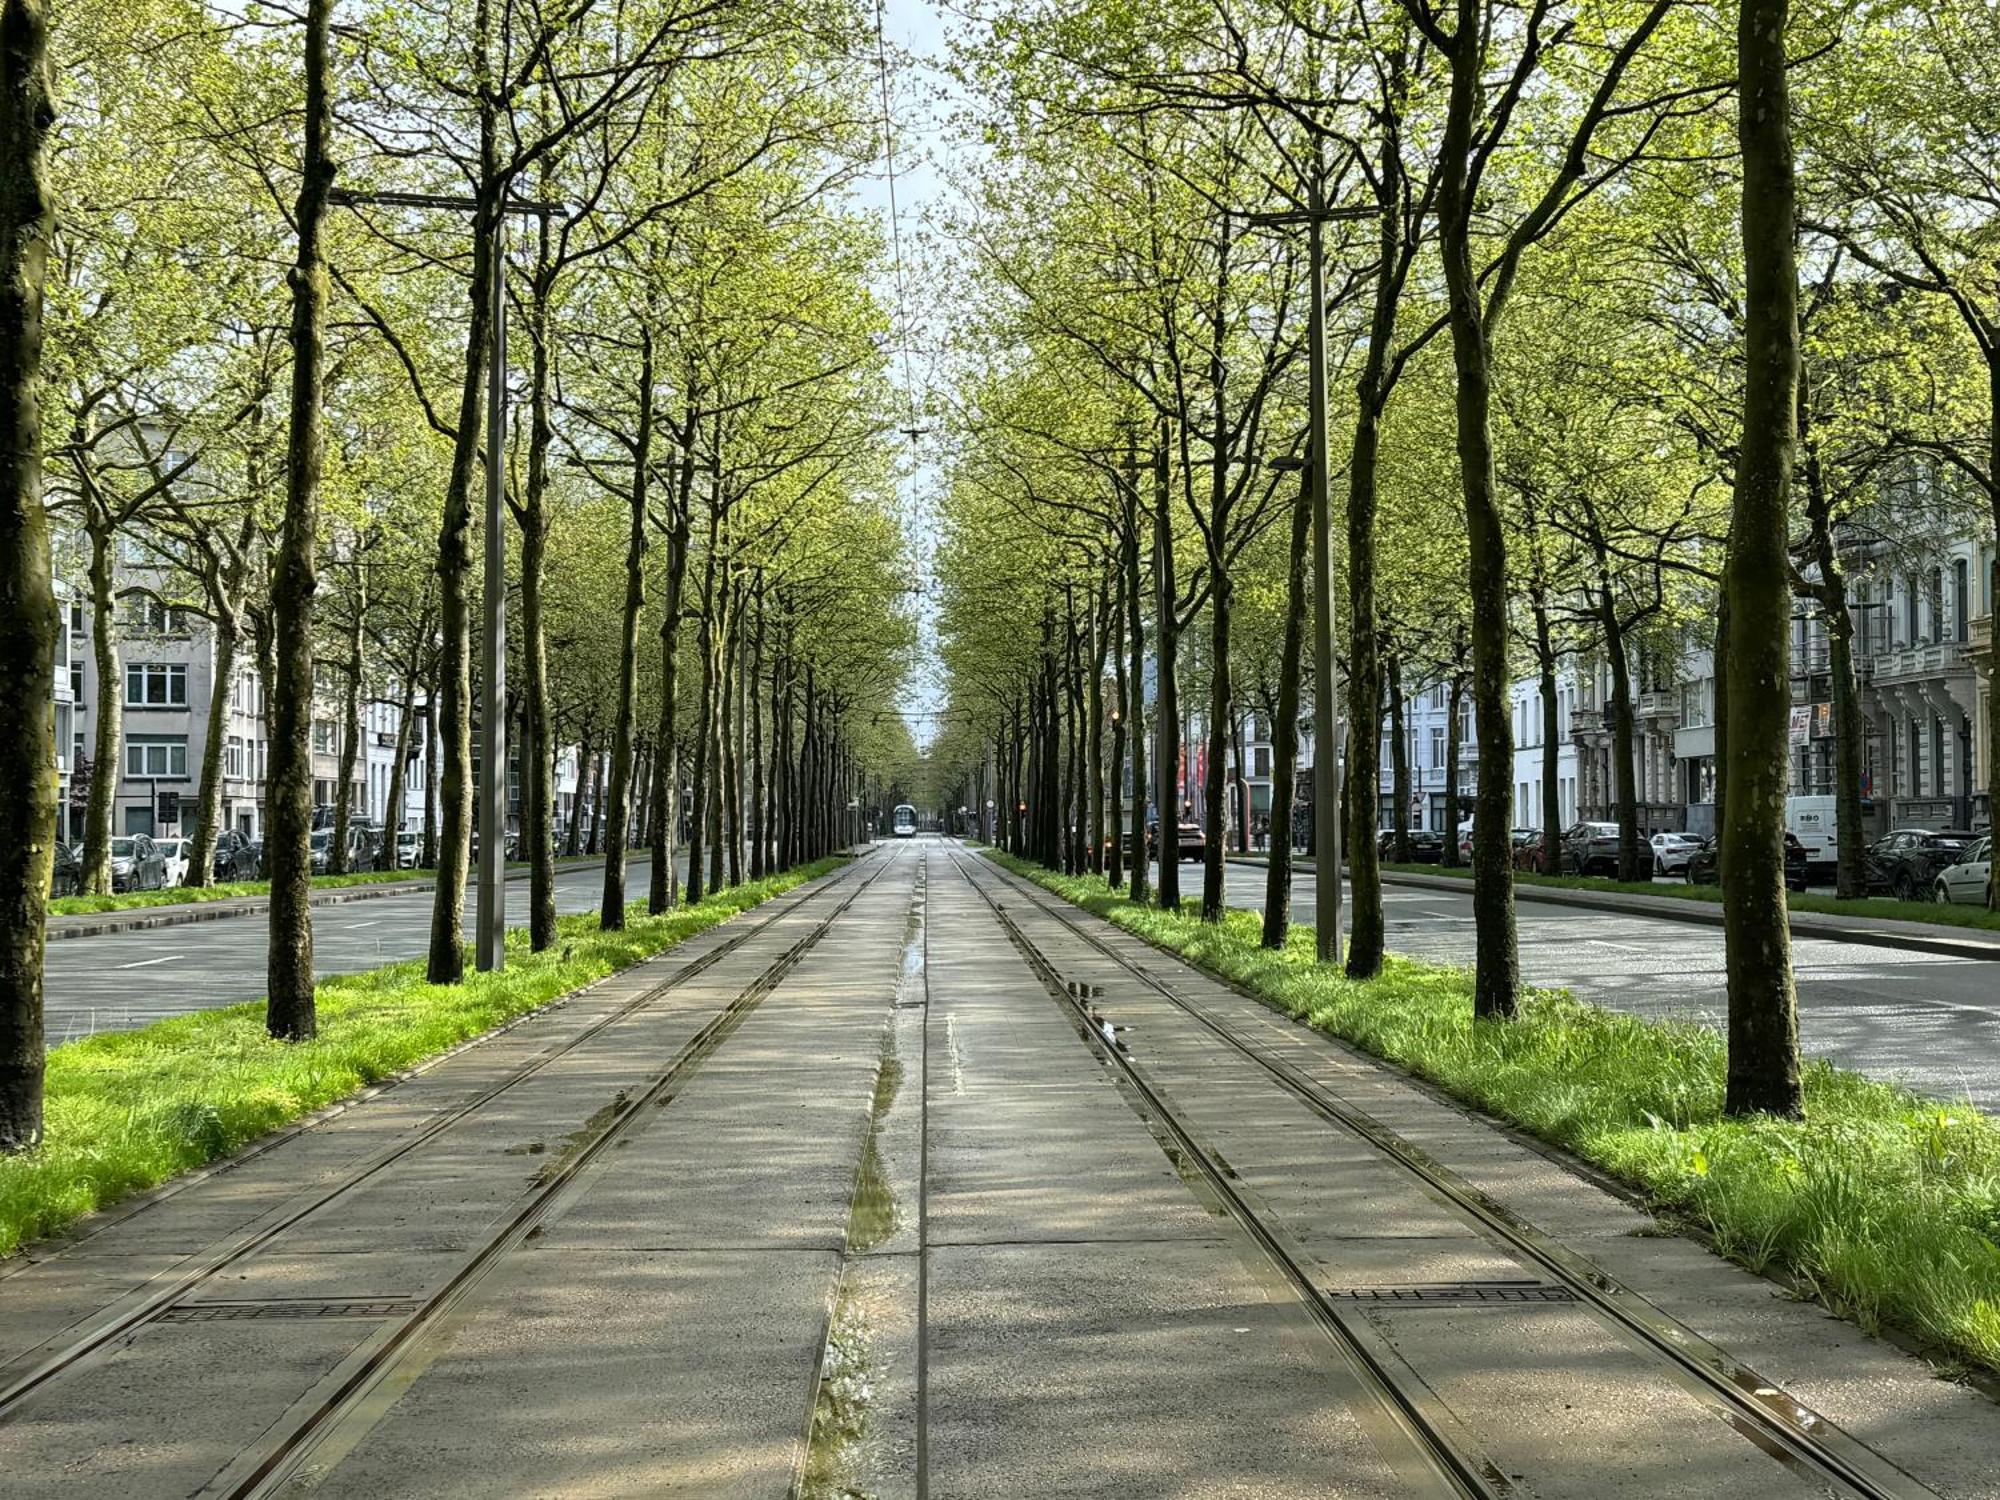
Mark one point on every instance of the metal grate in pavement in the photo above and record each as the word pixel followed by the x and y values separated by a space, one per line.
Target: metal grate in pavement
pixel 297 1308
pixel 1454 1293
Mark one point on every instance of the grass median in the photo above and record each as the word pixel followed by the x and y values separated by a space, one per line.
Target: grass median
pixel 1884 1204
pixel 128 1110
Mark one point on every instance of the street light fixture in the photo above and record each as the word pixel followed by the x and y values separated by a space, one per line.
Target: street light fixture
pixel 490 907
pixel 1326 782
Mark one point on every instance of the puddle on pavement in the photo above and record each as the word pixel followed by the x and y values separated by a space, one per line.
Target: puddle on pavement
pixel 841 1412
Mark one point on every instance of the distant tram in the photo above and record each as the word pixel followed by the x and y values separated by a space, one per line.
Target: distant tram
pixel 904 821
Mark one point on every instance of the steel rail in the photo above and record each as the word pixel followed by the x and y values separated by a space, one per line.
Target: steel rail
pixel 149 1310
pixel 1453 1468
pixel 1759 1409
pixel 278 1458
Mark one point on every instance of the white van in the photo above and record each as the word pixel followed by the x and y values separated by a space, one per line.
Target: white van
pixel 1814 822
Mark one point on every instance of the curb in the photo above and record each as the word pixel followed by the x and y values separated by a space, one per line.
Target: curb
pixel 183 914
pixel 1704 914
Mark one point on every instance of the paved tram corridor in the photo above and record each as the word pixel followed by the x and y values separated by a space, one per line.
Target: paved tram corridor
pixel 911 1183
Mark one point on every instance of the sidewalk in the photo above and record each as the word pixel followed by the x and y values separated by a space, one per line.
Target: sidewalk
pixel 184 913
pixel 1881 932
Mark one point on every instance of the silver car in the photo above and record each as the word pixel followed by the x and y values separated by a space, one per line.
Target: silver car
pixel 1964 884
pixel 137 864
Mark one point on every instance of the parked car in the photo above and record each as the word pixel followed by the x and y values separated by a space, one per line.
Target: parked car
pixel 1703 865
pixel 1528 849
pixel 322 850
pixel 257 856
pixel 1592 849
pixel 1426 845
pixel 66 875
pixel 234 858
pixel 1964 884
pixel 1671 851
pixel 137 865
pixel 1516 837
pixel 175 853
pixel 1907 862
pixel 409 849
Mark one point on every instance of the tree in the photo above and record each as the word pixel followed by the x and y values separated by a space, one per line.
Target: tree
pixel 1763 1017
pixel 27 594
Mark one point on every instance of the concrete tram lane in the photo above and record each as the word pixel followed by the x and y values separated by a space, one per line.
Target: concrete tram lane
pixel 1094 1328
pixel 692 1256
pixel 1926 1019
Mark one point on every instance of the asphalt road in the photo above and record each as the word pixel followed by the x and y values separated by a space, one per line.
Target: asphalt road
pixel 126 979
pixel 1929 1020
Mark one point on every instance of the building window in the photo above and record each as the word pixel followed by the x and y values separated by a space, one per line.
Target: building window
pixel 76 681
pixel 161 756
pixel 323 736
pixel 1961 601
pixel 76 617
pixel 1437 745
pixel 1916 759
pixel 150 616
pixel 155 684
pixel 1260 761
pixel 232 758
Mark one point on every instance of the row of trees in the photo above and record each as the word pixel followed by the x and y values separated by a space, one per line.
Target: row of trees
pixel 255 266
pixel 1566 335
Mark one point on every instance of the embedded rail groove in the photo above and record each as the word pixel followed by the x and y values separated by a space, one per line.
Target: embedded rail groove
pixel 154 1307
pixel 1453 1468
pixel 1758 1409
pixel 279 1458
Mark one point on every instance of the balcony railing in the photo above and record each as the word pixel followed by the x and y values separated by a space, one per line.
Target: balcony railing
pixel 1585 721
pixel 1660 704
pixel 1920 661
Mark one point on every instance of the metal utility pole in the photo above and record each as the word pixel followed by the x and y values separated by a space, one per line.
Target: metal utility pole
pixel 490 910
pixel 1326 690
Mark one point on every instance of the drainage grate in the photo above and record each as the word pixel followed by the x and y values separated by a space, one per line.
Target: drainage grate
pixel 303 1308
pixel 1454 1293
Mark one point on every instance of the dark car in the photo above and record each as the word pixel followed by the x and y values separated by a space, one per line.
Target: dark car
pixel 1907 862
pixel 1193 844
pixel 234 858
pixel 1703 865
pixel 1426 846
pixel 137 864
pixel 66 874
pixel 1592 849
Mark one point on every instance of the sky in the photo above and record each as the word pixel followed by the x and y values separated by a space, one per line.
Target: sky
pixel 914 30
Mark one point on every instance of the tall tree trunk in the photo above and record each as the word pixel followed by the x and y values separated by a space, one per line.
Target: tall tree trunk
pixel 289 1011
pixel 227 629
pixel 350 731
pixel 585 794
pixel 392 812
pixel 1114 630
pixel 1497 977
pixel 703 733
pixel 1456 712
pixel 759 852
pixel 108 730
pixel 1763 1017
pixel 1285 728
pixel 1167 713
pixel 1221 712
pixel 1831 594
pixel 1135 713
pixel 1624 776
pixel 28 617
pixel 432 754
pixel 538 761
pixel 663 884
pixel 1399 762
pixel 446 961
pixel 1100 619
pixel 611 903
pixel 731 733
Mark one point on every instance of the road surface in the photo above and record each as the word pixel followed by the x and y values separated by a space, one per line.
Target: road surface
pixel 854 1196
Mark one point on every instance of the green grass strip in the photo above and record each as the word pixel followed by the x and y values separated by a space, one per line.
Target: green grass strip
pixel 1872 908
pixel 1882 1203
pixel 128 1110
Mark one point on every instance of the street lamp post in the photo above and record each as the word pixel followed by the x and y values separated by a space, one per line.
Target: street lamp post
pixel 1326 779
pixel 490 907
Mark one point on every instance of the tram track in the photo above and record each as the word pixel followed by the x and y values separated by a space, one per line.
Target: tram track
pixel 155 1305
pixel 1756 1409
